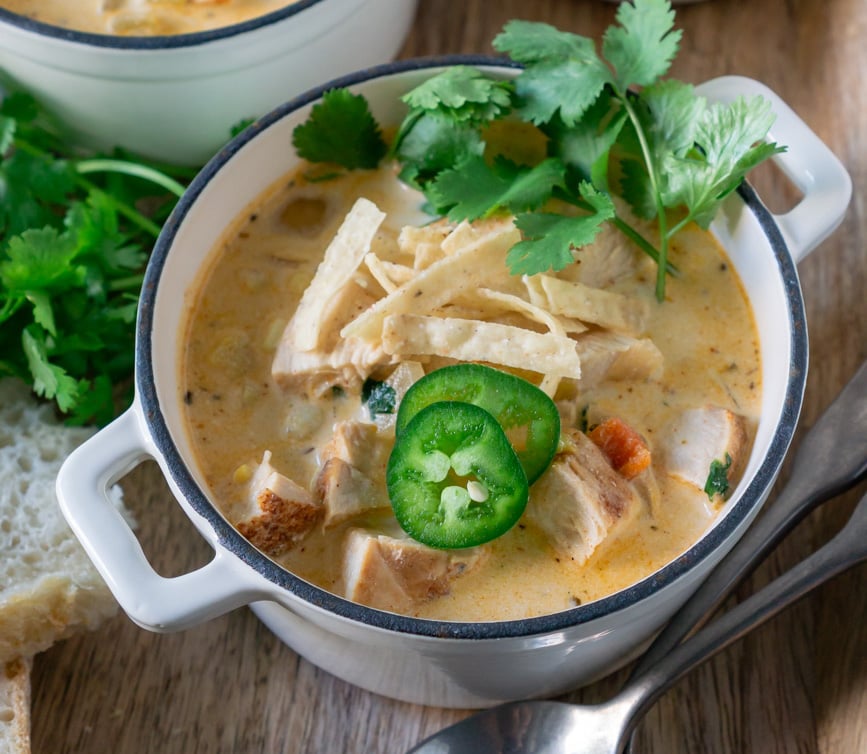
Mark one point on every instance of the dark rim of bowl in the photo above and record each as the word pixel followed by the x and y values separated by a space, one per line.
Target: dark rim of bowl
pixel 156 42
pixel 229 537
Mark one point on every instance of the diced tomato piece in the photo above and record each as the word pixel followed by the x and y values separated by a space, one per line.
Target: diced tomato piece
pixel 625 448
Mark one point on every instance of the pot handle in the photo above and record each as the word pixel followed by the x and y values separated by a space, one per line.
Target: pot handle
pixel 808 163
pixel 152 601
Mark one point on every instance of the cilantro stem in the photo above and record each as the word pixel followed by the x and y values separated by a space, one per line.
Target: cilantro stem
pixel 648 248
pixel 11 306
pixel 679 226
pixel 122 284
pixel 130 213
pixel 130 168
pixel 662 262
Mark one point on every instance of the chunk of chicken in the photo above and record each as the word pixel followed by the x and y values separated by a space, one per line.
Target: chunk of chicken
pixel 405 375
pixel 608 259
pixel 280 513
pixel 348 364
pixel 581 500
pixel 608 309
pixel 352 478
pixel 700 436
pixel 397 574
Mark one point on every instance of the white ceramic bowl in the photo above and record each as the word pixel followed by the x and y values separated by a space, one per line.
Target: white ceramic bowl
pixel 429 662
pixel 176 98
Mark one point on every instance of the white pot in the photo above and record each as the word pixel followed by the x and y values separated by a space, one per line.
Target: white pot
pixel 428 662
pixel 176 98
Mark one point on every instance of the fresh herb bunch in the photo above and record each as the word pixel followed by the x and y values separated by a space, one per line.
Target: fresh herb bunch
pixel 73 244
pixel 610 125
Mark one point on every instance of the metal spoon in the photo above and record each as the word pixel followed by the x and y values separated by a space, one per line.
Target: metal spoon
pixel 837 447
pixel 545 727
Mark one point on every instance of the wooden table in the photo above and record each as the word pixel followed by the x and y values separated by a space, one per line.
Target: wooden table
pixel 797 685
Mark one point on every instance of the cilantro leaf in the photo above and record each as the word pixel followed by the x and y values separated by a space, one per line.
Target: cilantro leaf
pixel 435 143
pixel 49 380
pixel 550 239
pixel 672 113
pixel 43 312
pixel 7 133
pixel 380 397
pixel 342 130
pixel 29 185
pixel 668 113
pixel 563 75
pixel 39 259
pixel 730 138
pixel 642 47
pixel 95 226
pixel 95 404
pixel 585 147
pixel 637 189
pixel 531 42
pixel 20 107
pixel 463 93
pixel 717 479
pixel 474 189
pixel 241 126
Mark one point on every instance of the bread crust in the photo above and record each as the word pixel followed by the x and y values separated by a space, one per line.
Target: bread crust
pixel 15 707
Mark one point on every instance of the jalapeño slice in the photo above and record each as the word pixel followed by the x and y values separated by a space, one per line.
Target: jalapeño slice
pixel 454 479
pixel 528 416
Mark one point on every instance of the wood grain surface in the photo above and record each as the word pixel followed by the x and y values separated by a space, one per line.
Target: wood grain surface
pixel 798 685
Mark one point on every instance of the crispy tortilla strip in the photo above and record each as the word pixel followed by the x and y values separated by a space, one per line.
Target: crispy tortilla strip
pixel 388 274
pixel 424 244
pixel 616 357
pixel 480 263
pixel 607 309
pixel 426 254
pixel 471 340
pixel 342 258
pixel 411 236
pixel 539 299
pixel 466 233
pixel 532 312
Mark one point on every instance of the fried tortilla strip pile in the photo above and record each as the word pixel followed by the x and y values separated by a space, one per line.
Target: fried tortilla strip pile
pixel 442 293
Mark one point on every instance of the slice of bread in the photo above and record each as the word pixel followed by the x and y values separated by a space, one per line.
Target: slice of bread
pixel 49 589
pixel 48 586
pixel 15 707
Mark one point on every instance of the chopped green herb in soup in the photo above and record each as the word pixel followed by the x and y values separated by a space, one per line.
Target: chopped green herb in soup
pixel 282 339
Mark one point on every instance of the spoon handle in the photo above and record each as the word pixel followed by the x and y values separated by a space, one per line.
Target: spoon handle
pixel 845 550
pixel 831 458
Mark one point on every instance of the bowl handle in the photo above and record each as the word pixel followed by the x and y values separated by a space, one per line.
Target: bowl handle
pixel 808 163
pixel 152 601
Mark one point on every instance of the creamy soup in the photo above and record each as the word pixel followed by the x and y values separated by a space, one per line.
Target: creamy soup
pixel 684 375
pixel 143 17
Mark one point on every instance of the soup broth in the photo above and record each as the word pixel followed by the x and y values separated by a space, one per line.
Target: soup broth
pixel 143 17
pixel 704 350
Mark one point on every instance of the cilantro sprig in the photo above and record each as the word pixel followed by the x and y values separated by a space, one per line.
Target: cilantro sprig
pixel 612 127
pixel 74 238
